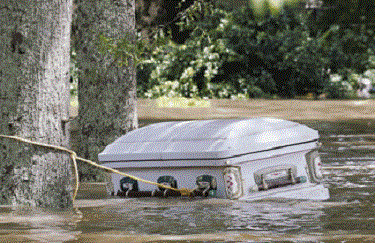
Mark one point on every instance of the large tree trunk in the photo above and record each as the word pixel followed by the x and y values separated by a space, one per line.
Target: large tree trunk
pixel 106 89
pixel 34 99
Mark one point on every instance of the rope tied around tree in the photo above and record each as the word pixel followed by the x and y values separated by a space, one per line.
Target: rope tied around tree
pixel 74 157
pixel 183 191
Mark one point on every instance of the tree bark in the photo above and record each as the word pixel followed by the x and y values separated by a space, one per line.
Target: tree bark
pixel 34 99
pixel 106 90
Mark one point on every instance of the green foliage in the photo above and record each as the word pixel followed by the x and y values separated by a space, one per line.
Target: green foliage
pixel 253 51
pixel 233 53
pixel 186 70
pixel 119 50
pixel 340 88
pixel 345 13
pixel 240 53
pixel 344 49
pixel 279 48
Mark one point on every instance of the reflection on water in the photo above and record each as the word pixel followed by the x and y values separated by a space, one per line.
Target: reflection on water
pixel 37 225
pixel 348 215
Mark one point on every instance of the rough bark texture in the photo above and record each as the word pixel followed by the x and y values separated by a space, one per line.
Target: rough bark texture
pixel 106 91
pixel 34 79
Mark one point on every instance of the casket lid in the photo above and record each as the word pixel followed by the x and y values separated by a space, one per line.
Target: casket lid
pixel 206 139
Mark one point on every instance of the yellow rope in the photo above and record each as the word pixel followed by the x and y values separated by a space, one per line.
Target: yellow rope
pixel 183 191
pixel 74 157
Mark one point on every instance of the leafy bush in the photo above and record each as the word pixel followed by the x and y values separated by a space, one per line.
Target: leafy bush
pixel 239 54
pixel 187 69
pixel 339 88
pixel 279 48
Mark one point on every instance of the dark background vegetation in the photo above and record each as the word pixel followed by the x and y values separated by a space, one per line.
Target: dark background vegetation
pixel 226 49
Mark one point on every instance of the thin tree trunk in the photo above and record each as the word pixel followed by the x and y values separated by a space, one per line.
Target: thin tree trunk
pixel 34 99
pixel 106 90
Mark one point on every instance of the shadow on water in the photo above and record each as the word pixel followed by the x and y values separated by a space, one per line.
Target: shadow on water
pixel 348 216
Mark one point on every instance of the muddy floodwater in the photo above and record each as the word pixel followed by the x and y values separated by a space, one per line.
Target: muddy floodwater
pixel 348 216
